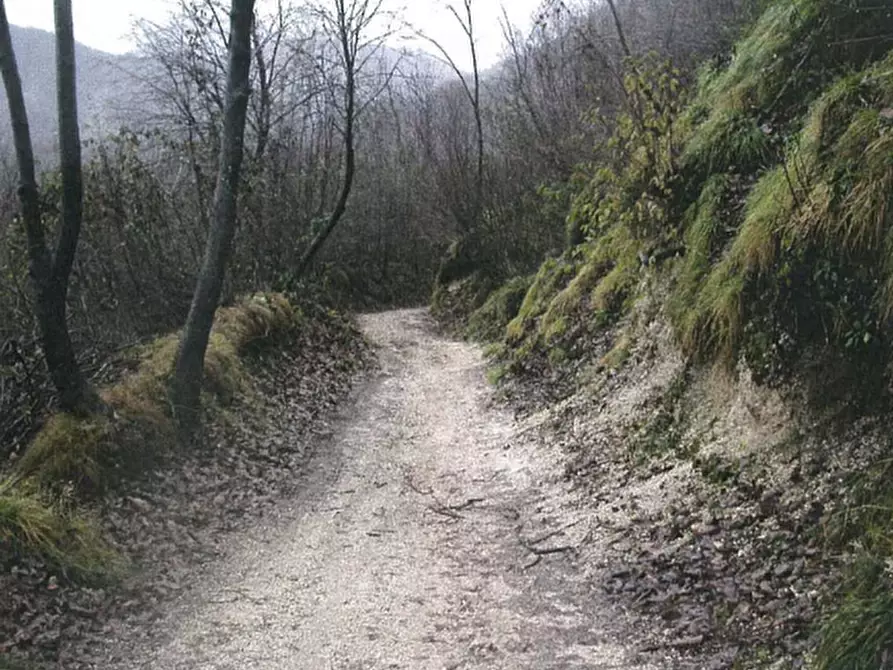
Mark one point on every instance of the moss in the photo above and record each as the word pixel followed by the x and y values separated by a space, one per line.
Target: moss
pixel 256 320
pixel 712 325
pixel 488 322
pixel 553 275
pixel 495 350
pixel 769 206
pixel 730 140
pixel 569 301
pixel 552 332
pixel 814 232
pixel 704 232
pixel 795 47
pixel 610 294
pixel 496 373
pixel 619 353
pixel 94 452
pixel 67 452
pixel 557 356
pixel 742 113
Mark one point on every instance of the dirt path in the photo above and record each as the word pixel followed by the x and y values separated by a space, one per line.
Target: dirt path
pixel 430 534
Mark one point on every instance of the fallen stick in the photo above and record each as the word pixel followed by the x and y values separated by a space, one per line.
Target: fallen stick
pixel 553 533
pixel 468 503
pixel 445 511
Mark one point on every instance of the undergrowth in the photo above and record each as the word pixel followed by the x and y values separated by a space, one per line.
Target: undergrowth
pixel 858 633
pixel 73 458
pixel 762 202
pixel 489 321
pixel 34 523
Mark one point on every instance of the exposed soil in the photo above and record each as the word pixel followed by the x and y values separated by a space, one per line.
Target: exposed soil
pixel 431 530
pixel 717 502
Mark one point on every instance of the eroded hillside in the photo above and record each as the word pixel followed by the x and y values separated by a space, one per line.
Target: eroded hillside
pixel 716 335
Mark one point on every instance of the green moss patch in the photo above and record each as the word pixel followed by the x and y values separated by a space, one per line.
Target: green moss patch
pixel 554 274
pixel 488 322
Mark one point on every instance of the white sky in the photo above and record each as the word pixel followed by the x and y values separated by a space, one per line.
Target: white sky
pixel 106 24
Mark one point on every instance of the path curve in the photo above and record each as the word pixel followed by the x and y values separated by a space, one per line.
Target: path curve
pixel 432 533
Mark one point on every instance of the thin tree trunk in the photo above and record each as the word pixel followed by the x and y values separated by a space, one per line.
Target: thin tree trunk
pixel 49 277
pixel 478 119
pixel 187 382
pixel 69 145
pixel 621 35
pixel 349 54
pixel 473 93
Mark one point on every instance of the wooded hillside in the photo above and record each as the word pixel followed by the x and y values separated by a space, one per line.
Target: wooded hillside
pixel 698 180
pixel 746 211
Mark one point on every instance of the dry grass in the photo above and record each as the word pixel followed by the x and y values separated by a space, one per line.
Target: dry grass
pixel 88 455
pixel 31 524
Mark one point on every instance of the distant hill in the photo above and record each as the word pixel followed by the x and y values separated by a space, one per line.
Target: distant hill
pixel 111 88
pixel 107 90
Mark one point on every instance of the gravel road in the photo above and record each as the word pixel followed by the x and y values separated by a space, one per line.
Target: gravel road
pixel 432 532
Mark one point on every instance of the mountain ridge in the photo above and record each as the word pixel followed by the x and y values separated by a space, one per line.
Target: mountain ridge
pixel 107 86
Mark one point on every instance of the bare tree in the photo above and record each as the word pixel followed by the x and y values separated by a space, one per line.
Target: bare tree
pixel 187 381
pixel 472 91
pixel 349 25
pixel 50 272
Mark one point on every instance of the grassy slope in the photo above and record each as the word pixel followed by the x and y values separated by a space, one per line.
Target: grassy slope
pixel 775 201
pixel 74 458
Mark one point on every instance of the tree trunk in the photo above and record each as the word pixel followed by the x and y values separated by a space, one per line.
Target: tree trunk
pixel 49 277
pixel 187 382
pixel 478 120
pixel 348 42
pixel 346 186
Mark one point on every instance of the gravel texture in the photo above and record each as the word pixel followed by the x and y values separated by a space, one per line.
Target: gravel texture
pixel 431 530
pixel 187 514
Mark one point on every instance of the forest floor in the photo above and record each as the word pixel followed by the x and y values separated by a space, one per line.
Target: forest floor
pixel 432 529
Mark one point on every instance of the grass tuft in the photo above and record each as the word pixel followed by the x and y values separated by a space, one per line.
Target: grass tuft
pixel 859 634
pixel 553 276
pixel 86 455
pixel 488 322
pixel 30 524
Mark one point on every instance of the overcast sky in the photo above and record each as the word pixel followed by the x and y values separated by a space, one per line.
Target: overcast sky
pixel 106 24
